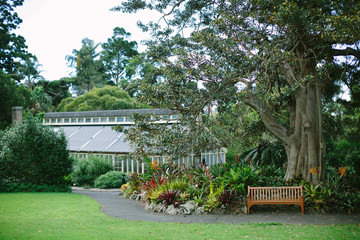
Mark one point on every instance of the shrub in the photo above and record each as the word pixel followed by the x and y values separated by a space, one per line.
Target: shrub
pixel 112 179
pixel 31 153
pixel 85 171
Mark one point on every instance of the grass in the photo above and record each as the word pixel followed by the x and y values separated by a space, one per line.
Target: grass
pixel 75 216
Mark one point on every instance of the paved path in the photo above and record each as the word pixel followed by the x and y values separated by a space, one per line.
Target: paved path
pixel 120 207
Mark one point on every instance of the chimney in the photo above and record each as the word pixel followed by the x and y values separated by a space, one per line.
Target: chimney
pixel 17 114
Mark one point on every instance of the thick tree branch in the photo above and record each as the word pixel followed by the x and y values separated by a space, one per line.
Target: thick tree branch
pixel 261 107
pixel 346 52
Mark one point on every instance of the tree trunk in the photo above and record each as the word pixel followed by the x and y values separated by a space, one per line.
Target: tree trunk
pixel 303 142
pixel 304 146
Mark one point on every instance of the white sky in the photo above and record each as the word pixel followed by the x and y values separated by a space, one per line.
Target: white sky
pixel 53 28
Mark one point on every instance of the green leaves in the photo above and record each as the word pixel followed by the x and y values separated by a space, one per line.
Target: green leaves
pixel 116 53
pixel 106 98
pixel 35 154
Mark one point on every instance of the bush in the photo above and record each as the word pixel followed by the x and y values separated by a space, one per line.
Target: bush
pixel 111 179
pixel 31 153
pixel 85 171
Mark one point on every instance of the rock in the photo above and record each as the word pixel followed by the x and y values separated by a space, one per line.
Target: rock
pixel 134 196
pixel 150 207
pixel 200 211
pixel 171 210
pixel 159 208
pixel 188 208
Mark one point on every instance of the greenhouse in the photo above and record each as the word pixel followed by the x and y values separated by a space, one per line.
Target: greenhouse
pixel 91 133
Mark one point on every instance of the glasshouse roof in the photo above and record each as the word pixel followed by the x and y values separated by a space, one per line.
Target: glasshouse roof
pixel 110 113
pixel 92 132
pixel 101 139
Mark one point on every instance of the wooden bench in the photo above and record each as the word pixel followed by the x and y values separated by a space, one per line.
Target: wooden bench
pixel 275 195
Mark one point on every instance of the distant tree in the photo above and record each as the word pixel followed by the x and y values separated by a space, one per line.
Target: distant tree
pixel 12 46
pixel 90 71
pixel 106 98
pixel 57 90
pixel 11 95
pixel 41 101
pixel 142 69
pixel 116 53
pixel 29 72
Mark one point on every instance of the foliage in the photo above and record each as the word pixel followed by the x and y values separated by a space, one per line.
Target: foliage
pixel 134 184
pixel 112 179
pixel 12 95
pixel 150 187
pixel 212 201
pixel 345 154
pixel 116 53
pixel 106 98
pixel 12 46
pixel 277 57
pixel 223 185
pixel 239 178
pixel 41 101
pixel 227 197
pixel 29 72
pixel 57 90
pixel 174 140
pixel 170 197
pixel 86 171
pixel 266 153
pixel 31 153
pixel 90 72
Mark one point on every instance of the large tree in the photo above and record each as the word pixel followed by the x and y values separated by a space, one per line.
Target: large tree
pixel 12 46
pixel 90 72
pixel 276 56
pixel 29 72
pixel 117 52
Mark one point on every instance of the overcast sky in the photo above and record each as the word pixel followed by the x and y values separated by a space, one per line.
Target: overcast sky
pixel 53 28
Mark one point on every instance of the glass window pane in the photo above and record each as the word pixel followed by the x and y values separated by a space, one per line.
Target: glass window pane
pixel 111 119
pixel 95 119
pixel 66 120
pixel 103 119
pixel 53 120
pixel 80 120
pixel 87 120
pixel 73 120
pixel 127 119
pixel 120 119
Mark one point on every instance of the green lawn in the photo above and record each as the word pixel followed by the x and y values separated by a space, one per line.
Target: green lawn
pixel 75 216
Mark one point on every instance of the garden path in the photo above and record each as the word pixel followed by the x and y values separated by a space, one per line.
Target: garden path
pixel 118 206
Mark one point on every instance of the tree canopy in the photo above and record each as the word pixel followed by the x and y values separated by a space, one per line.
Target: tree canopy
pixel 280 57
pixel 106 98
pixel 12 46
pixel 117 52
pixel 90 71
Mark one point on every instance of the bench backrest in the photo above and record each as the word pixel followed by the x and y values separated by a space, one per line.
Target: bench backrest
pixel 275 193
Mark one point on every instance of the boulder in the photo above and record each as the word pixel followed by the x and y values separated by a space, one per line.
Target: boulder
pixel 171 210
pixel 188 208
pixel 200 211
